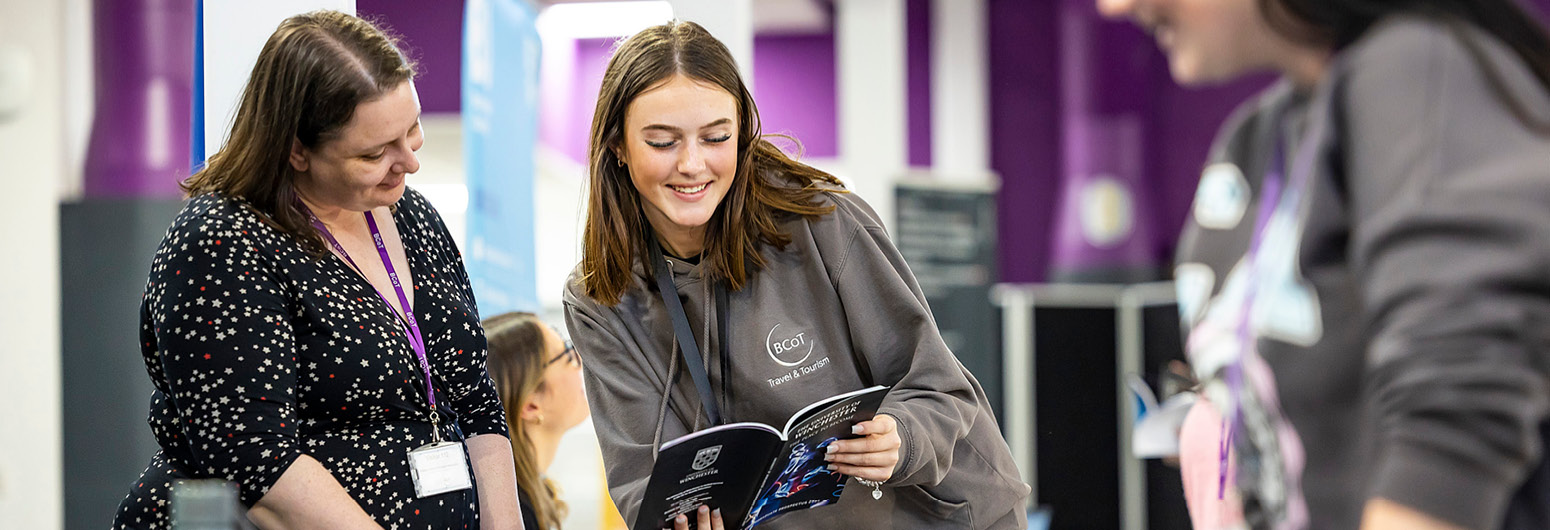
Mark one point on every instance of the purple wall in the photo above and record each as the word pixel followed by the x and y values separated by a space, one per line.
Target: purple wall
pixel 143 59
pixel 432 35
pixel 918 84
pixel 1024 131
pixel 1104 93
pixel 1068 92
pixel 564 124
pixel 795 88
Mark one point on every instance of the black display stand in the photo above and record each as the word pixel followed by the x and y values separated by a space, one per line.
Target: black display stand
pixel 105 254
pixel 946 232
pixel 1070 414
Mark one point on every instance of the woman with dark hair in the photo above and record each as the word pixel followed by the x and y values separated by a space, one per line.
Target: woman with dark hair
pixel 308 324
pixel 761 252
pixel 1366 271
pixel 538 375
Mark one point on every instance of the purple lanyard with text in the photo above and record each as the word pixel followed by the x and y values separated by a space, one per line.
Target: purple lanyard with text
pixel 412 325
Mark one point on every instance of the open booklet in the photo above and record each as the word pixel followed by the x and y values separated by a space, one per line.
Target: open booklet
pixel 752 472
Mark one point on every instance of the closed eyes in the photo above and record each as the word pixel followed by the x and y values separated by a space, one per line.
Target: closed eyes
pixel 670 143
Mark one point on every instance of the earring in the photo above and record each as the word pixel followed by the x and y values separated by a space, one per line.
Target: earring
pixel 619 161
pixel 540 420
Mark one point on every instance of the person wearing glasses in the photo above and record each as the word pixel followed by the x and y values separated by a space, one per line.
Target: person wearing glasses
pixel 538 375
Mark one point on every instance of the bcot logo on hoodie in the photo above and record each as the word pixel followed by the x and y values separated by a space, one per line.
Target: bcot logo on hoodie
pixel 785 347
pixel 794 352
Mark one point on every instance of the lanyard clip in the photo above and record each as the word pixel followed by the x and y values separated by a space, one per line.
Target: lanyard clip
pixel 435 426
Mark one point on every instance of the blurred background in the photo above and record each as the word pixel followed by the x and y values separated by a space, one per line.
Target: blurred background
pixel 1033 161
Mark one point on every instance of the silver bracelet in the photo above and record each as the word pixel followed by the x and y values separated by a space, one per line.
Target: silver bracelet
pixel 876 485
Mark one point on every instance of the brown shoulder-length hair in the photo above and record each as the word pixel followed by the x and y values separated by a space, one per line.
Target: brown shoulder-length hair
pixel 516 365
pixel 310 76
pixel 616 230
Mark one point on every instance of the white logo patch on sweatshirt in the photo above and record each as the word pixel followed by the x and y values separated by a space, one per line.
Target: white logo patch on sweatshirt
pixel 794 353
pixel 787 347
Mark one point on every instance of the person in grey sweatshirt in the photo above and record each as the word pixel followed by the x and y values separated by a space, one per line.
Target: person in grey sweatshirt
pixel 793 292
pixel 1366 270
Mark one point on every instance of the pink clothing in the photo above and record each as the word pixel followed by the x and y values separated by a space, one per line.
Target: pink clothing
pixel 1213 505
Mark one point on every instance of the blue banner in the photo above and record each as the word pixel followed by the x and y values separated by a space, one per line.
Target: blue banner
pixel 500 130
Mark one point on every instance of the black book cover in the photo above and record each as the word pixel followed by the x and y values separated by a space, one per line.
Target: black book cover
pixel 750 471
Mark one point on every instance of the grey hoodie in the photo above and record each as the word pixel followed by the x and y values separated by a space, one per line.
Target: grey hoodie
pixel 1407 303
pixel 835 311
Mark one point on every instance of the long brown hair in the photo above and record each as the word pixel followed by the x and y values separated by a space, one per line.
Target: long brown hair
pixel 311 74
pixel 516 365
pixel 616 230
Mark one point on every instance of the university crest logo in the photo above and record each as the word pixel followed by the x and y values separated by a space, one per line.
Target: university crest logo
pixel 706 457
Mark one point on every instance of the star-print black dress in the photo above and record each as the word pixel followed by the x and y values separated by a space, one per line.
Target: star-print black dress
pixel 260 353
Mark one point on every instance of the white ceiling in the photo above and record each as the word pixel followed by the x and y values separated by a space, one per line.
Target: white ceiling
pixel 774 16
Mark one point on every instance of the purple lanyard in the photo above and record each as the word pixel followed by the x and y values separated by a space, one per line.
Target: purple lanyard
pixel 415 340
pixel 1270 199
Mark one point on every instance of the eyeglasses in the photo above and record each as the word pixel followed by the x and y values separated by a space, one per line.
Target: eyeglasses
pixel 569 355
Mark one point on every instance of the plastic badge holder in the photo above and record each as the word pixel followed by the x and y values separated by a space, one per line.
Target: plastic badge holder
pixel 439 468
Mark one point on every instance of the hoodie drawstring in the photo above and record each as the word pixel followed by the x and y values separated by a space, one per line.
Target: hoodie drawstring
pixel 672 376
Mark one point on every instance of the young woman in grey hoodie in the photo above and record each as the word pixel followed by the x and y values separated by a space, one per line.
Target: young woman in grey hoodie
pixel 814 300
pixel 1366 271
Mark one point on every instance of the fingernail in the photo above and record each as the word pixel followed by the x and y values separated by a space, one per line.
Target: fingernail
pixel 829 449
pixel 704 509
pixel 828 458
pixel 833 467
pixel 855 429
pixel 682 519
pixel 716 511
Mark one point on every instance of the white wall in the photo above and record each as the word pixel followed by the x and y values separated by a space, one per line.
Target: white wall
pixel 960 139
pixel 234 33
pixel 32 143
pixel 870 55
pixel 78 95
pixel 730 21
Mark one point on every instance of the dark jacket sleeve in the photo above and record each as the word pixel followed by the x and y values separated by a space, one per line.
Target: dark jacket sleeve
pixel 1450 195
pixel 891 327
pixel 221 322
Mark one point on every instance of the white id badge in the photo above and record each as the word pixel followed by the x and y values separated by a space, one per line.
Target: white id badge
pixel 439 468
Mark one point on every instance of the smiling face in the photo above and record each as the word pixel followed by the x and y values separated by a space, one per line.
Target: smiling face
pixel 680 144
pixel 364 165
pixel 1206 40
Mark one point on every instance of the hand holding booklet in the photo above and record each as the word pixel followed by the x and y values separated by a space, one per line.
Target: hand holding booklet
pixel 752 472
